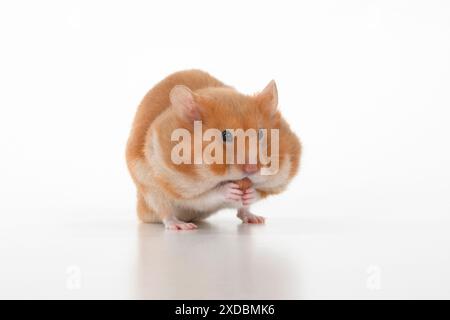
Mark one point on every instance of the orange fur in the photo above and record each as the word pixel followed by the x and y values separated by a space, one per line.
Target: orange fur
pixel 160 185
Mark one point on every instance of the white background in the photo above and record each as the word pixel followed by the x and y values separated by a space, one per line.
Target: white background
pixel 365 84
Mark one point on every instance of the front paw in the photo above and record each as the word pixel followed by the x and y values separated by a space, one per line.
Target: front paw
pixel 249 197
pixel 231 192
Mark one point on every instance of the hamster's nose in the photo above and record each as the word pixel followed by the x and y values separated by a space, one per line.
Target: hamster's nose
pixel 250 168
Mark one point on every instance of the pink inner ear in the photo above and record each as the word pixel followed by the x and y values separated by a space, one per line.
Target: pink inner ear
pixel 268 103
pixel 182 99
pixel 190 107
pixel 269 97
pixel 192 111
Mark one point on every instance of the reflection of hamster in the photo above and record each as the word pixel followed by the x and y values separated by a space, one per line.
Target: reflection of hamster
pixel 178 193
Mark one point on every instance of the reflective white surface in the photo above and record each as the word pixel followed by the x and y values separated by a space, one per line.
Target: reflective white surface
pixel 288 258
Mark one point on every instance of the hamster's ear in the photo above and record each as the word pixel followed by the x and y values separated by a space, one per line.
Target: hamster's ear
pixel 269 97
pixel 183 100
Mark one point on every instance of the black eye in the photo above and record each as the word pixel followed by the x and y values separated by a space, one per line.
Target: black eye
pixel 260 133
pixel 227 136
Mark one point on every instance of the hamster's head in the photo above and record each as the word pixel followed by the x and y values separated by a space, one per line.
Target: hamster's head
pixel 232 135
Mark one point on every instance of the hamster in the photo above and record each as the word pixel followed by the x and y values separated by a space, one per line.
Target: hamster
pixel 180 193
